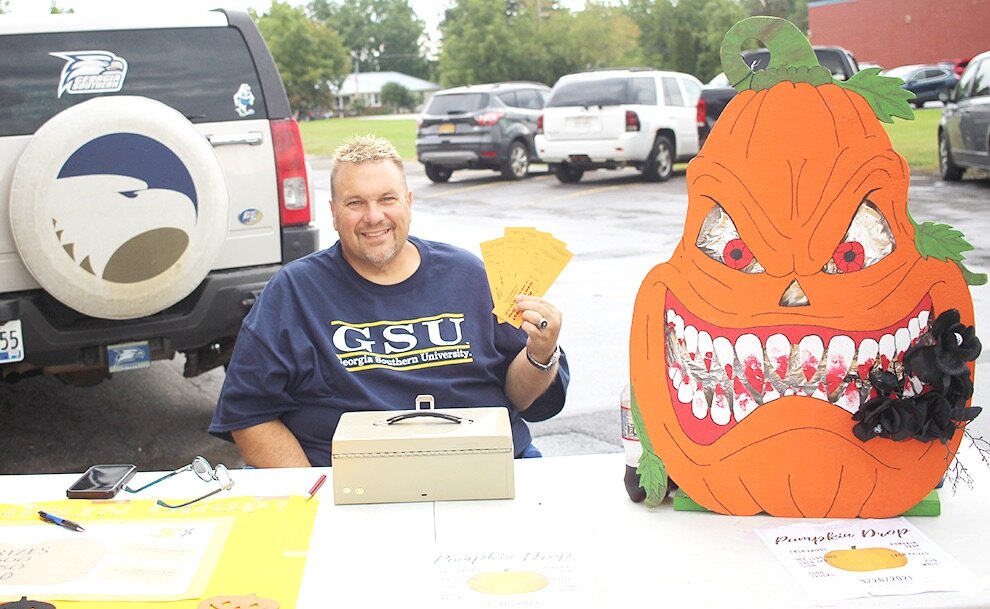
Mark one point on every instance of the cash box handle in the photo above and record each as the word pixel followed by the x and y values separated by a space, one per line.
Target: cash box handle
pixel 424 413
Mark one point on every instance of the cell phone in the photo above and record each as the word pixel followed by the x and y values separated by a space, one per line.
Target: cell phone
pixel 101 481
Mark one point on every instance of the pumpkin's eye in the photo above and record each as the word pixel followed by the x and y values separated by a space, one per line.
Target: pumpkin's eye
pixel 736 254
pixel 868 241
pixel 719 240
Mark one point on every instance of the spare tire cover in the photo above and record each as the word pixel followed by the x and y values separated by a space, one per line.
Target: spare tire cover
pixel 119 207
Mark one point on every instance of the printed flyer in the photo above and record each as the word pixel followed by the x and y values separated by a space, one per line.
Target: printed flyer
pixel 862 558
pixel 511 579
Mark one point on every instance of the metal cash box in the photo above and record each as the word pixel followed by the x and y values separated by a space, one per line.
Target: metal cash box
pixel 423 455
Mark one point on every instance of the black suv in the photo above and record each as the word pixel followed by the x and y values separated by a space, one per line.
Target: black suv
pixel 152 180
pixel 487 126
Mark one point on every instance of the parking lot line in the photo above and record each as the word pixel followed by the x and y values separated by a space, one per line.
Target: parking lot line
pixel 582 193
pixel 456 191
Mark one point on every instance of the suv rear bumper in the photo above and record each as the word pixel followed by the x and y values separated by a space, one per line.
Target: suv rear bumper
pixel 631 147
pixel 469 153
pixel 58 339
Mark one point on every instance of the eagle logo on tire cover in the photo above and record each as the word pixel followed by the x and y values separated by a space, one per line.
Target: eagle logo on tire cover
pixel 144 202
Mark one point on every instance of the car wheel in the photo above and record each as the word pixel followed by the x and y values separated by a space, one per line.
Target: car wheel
pixel 568 174
pixel 516 166
pixel 119 207
pixel 660 164
pixel 438 173
pixel 949 171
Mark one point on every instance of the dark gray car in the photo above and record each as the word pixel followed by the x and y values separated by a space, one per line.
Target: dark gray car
pixel 488 126
pixel 964 131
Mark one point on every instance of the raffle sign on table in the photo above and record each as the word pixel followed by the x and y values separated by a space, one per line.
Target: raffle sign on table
pixel 862 558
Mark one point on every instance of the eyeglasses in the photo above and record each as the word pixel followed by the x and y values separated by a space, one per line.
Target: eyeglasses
pixel 206 472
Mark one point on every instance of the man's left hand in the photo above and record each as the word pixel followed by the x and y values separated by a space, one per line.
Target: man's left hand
pixel 541 322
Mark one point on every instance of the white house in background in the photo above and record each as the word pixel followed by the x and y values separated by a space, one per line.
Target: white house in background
pixel 368 86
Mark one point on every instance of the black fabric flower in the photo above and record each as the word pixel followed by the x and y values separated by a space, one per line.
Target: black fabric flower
pixel 942 356
pixel 938 359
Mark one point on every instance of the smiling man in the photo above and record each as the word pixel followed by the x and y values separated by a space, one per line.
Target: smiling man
pixel 374 321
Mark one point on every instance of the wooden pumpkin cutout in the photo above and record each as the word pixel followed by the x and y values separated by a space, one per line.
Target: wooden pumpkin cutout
pixel 797 275
pixel 247 601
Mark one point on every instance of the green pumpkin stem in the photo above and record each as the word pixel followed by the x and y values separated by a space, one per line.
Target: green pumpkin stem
pixel 793 60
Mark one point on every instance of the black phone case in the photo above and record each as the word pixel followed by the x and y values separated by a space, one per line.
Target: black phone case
pixel 101 481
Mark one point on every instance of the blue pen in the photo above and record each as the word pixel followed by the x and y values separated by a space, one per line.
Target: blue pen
pixel 62 522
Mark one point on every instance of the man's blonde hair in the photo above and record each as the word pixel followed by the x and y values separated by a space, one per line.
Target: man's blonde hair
pixel 364 149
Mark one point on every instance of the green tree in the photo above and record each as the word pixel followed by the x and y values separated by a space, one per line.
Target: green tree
pixel 381 35
pixel 397 98
pixel 309 55
pixel 684 36
pixel 486 41
pixel 795 11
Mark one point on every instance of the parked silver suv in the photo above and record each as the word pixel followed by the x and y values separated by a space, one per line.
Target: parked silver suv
pixel 480 127
pixel 152 180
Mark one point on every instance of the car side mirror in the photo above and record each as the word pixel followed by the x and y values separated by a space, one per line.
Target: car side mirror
pixel 947 95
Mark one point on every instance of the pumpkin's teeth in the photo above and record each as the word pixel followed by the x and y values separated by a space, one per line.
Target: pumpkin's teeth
pixel 726 382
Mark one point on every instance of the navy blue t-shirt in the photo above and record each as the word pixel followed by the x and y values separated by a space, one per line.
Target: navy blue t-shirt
pixel 321 340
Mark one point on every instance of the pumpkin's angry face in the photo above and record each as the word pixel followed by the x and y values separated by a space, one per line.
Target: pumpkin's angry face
pixel 796 276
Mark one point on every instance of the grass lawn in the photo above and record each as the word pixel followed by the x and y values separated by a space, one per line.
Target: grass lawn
pixel 321 137
pixel 916 140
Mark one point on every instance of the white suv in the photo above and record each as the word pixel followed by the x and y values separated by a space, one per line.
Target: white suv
pixel 616 118
pixel 152 180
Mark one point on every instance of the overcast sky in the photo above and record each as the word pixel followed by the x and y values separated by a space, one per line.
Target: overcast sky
pixel 430 11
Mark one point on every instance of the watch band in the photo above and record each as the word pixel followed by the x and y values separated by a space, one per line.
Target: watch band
pixel 549 364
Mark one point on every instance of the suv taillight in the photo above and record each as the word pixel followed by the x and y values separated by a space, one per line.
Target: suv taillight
pixel 290 171
pixel 702 108
pixel 539 124
pixel 488 119
pixel 632 121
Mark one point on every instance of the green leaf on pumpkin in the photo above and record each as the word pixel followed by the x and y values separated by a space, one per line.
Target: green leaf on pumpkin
pixel 884 94
pixel 971 277
pixel 651 470
pixel 942 242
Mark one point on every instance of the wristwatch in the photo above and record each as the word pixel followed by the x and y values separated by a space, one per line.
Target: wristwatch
pixel 548 365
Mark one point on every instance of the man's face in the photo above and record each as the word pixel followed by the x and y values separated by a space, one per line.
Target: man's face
pixel 371 209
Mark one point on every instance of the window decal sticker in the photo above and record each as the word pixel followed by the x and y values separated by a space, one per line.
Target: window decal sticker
pixel 243 100
pixel 88 72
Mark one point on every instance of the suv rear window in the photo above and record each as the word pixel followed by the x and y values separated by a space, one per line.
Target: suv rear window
pixel 457 103
pixel 828 58
pixel 168 67
pixel 605 92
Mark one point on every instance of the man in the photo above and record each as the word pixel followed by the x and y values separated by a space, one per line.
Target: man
pixel 376 320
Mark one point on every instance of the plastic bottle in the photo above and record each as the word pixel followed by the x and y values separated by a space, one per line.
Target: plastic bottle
pixel 630 442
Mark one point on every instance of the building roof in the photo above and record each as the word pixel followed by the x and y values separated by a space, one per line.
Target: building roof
pixel 372 82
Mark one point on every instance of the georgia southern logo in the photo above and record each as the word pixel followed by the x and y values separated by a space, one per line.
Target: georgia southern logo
pixel 124 207
pixel 91 72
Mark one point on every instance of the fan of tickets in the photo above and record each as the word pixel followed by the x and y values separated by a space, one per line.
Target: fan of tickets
pixel 524 261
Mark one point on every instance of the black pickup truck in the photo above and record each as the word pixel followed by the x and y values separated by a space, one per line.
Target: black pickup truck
pixel 716 94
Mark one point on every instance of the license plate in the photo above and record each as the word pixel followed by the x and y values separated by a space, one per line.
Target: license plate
pixel 11 342
pixel 447 128
pixel 128 356
pixel 581 123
